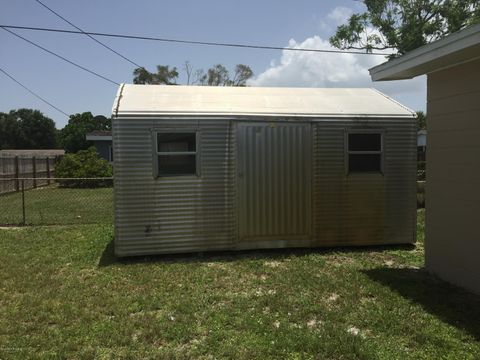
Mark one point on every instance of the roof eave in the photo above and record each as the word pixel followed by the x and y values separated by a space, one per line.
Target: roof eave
pixel 98 137
pixel 230 115
pixel 454 49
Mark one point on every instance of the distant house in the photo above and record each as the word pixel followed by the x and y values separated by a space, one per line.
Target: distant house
pixel 452 65
pixel 421 144
pixel 102 140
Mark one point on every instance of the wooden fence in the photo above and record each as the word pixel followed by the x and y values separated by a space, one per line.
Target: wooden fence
pixel 32 167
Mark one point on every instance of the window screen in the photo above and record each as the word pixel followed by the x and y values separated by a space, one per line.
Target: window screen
pixel 176 154
pixel 364 152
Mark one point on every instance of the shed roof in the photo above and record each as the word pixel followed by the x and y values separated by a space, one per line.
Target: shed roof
pixel 255 101
pixel 453 49
pixel 100 133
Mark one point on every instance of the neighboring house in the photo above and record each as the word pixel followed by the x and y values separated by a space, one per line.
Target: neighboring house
pixel 421 144
pixel 102 140
pixel 452 65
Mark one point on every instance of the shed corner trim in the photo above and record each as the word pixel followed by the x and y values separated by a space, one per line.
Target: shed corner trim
pixel 116 102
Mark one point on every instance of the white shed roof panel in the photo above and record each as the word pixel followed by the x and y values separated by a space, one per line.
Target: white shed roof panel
pixel 261 101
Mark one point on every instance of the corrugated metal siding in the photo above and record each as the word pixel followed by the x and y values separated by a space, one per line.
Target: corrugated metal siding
pixel 168 215
pixel 172 214
pixel 358 209
pixel 274 181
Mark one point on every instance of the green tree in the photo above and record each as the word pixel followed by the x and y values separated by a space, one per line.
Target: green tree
pixel 217 75
pixel 164 75
pixel 404 25
pixel 9 132
pixel 421 120
pixel 72 136
pixel 84 164
pixel 27 129
pixel 241 74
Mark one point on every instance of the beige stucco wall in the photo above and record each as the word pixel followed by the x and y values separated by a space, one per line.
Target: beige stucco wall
pixel 452 245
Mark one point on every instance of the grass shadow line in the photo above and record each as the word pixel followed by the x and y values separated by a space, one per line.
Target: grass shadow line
pixel 108 257
pixel 449 303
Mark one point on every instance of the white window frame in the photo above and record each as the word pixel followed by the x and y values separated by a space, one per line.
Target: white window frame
pixel 380 152
pixel 157 153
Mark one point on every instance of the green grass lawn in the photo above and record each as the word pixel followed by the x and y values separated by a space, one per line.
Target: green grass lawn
pixel 64 295
pixel 54 205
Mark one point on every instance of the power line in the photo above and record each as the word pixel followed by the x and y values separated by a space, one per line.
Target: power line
pixel 33 93
pixel 208 43
pixel 90 36
pixel 61 57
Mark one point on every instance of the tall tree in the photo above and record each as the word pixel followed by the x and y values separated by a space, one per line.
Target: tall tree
pixel 421 120
pixel 27 129
pixel 241 75
pixel 72 136
pixel 164 75
pixel 404 25
pixel 9 132
pixel 217 75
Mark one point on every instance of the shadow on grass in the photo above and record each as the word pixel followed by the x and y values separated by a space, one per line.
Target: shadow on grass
pixel 108 256
pixel 449 303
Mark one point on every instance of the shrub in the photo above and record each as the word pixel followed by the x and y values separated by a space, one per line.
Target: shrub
pixel 421 167
pixel 84 164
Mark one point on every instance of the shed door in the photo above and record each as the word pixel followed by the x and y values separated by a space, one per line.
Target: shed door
pixel 274 180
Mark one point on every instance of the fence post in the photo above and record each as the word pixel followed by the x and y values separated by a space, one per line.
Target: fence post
pixel 34 163
pixel 47 159
pixel 23 202
pixel 17 185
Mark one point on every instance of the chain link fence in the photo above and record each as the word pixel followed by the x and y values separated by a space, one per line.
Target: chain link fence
pixel 56 201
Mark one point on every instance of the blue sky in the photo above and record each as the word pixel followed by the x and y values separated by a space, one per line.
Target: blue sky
pixel 278 23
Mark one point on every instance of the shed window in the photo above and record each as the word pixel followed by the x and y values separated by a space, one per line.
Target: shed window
pixel 176 153
pixel 364 152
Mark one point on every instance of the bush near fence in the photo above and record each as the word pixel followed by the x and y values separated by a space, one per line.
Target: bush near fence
pixel 74 168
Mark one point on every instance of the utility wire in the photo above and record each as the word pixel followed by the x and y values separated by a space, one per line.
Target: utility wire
pixel 61 57
pixel 33 93
pixel 90 36
pixel 208 43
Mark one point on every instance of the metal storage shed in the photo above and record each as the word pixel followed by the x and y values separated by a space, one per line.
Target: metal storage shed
pixel 219 168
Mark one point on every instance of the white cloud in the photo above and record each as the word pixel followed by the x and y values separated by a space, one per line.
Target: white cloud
pixel 340 15
pixel 310 69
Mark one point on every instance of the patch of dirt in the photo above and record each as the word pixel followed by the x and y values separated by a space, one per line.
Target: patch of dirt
pixel 272 264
